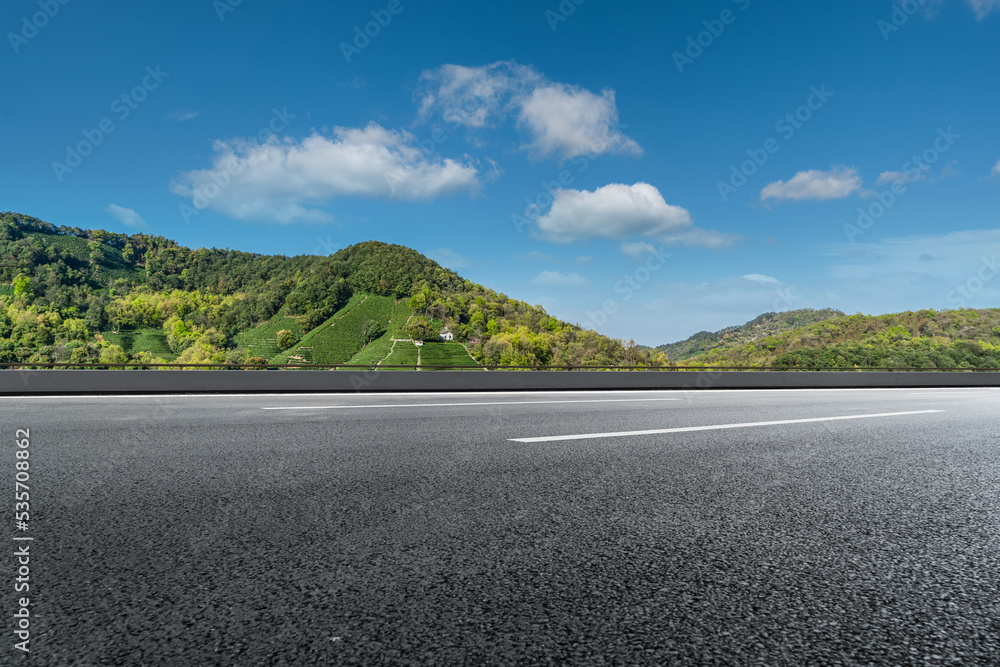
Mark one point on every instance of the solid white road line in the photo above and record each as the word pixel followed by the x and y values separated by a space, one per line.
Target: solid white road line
pixel 688 429
pixel 443 405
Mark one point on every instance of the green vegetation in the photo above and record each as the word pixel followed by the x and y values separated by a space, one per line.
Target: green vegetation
pixel 445 354
pixel 404 353
pixel 75 296
pixel 768 324
pixel 924 339
pixel 262 339
pixel 135 341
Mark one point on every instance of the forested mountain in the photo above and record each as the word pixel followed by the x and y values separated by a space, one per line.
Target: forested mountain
pixel 74 295
pixel 768 324
pixel 964 338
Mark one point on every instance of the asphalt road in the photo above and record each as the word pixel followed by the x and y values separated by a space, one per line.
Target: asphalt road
pixel 377 529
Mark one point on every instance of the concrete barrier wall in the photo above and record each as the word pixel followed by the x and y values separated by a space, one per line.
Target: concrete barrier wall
pixel 18 382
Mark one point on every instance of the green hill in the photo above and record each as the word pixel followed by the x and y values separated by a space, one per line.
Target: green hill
pixel 768 324
pixel 72 295
pixel 964 338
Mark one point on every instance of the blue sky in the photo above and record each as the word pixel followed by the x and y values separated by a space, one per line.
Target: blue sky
pixel 648 170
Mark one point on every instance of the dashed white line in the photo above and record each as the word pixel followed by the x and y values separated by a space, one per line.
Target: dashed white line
pixel 448 405
pixel 688 429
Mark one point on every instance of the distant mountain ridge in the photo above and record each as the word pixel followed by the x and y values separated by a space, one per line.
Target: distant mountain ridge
pixel 768 324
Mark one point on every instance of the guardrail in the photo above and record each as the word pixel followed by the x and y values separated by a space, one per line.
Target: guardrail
pixel 83 366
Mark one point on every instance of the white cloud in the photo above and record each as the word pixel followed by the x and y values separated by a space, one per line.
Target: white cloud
pixel 637 249
pixel 996 170
pixel 127 217
pixel 560 120
pixel 899 177
pixel 837 183
pixel 613 211
pixel 448 258
pixel 568 121
pixel 281 181
pixel 983 7
pixel 762 279
pixel 181 115
pixel 559 279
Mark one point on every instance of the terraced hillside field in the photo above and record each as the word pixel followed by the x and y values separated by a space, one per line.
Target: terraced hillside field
pixel 445 354
pixel 379 349
pixel 404 353
pixel 261 340
pixel 146 339
pixel 338 339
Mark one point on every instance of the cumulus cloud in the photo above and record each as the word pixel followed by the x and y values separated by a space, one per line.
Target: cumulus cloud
pixel 282 181
pixel 619 211
pixel 996 170
pixel 127 217
pixel 837 183
pixel 448 258
pixel 983 7
pixel 567 121
pixel 613 211
pixel 560 120
pixel 559 279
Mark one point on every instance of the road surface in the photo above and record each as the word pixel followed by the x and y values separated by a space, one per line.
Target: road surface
pixel 725 527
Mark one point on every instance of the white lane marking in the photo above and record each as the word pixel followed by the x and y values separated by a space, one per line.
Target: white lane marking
pixel 945 393
pixel 443 405
pixel 688 429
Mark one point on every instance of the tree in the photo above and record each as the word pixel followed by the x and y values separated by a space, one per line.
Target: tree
pixel 420 329
pixel 371 330
pixel 22 286
pixel 285 339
